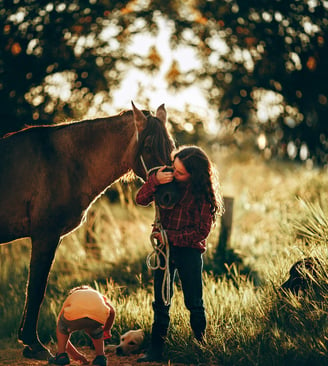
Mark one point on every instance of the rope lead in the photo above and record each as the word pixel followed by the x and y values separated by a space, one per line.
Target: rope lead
pixel 159 249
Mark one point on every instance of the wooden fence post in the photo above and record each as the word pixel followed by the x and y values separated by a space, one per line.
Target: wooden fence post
pixel 225 232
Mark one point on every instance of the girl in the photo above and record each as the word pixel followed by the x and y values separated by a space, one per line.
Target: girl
pixel 187 226
pixel 84 309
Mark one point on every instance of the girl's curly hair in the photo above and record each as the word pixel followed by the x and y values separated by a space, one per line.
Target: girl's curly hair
pixel 204 176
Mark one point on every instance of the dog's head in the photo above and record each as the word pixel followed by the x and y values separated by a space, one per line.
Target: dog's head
pixel 302 275
pixel 130 342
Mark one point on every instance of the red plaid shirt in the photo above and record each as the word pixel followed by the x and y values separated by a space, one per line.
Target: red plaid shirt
pixel 188 223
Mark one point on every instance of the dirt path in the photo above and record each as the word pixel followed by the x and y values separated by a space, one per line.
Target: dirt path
pixel 13 357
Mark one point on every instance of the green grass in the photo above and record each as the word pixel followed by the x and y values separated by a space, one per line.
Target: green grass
pixel 280 216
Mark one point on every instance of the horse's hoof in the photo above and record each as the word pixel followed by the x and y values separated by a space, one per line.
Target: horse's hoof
pixel 39 353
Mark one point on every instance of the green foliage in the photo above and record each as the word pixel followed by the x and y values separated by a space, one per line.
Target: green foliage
pixel 57 57
pixel 261 64
pixel 264 64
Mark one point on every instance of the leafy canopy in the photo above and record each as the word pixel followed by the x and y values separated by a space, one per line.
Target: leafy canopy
pixel 263 63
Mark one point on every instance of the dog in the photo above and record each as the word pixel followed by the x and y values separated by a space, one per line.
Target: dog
pixel 130 342
pixel 302 275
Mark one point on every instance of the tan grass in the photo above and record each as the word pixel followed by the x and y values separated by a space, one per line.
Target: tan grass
pixel 280 216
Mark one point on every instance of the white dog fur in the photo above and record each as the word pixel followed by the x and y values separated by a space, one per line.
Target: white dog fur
pixel 130 342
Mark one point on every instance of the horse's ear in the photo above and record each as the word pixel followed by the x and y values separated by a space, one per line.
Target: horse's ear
pixel 161 113
pixel 139 118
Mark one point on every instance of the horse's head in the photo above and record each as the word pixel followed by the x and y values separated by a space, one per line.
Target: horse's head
pixel 155 144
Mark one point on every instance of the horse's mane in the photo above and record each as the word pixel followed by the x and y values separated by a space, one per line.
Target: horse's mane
pixel 64 124
pixel 8 134
pixel 162 142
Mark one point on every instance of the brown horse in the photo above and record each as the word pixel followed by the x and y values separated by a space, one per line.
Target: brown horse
pixel 50 175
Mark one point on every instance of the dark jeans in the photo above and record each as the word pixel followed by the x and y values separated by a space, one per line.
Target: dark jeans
pixel 188 262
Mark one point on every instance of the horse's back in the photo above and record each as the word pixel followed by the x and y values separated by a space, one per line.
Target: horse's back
pixel 45 179
pixel 20 162
pixel 24 170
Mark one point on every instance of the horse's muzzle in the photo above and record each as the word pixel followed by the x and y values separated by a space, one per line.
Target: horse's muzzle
pixel 167 195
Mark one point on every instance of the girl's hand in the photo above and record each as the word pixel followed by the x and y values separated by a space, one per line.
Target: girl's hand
pixel 164 177
pixel 75 354
pixel 80 358
pixel 158 236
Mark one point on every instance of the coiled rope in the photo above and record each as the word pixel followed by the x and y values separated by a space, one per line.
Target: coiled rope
pixel 160 248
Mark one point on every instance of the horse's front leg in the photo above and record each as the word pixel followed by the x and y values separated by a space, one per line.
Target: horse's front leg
pixel 43 252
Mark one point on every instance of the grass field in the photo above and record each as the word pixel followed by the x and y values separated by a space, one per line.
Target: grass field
pixel 279 217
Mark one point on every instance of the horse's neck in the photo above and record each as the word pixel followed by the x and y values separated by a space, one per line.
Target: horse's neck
pixel 105 148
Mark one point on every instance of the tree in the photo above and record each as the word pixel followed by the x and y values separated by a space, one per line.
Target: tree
pixel 56 57
pixel 263 62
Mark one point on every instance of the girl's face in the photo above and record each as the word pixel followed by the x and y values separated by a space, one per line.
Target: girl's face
pixel 180 173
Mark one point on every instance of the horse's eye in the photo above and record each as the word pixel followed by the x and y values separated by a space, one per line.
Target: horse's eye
pixel 147 149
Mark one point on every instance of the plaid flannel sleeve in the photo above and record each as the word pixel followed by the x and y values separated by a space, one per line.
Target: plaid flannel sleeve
pixel 145 195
